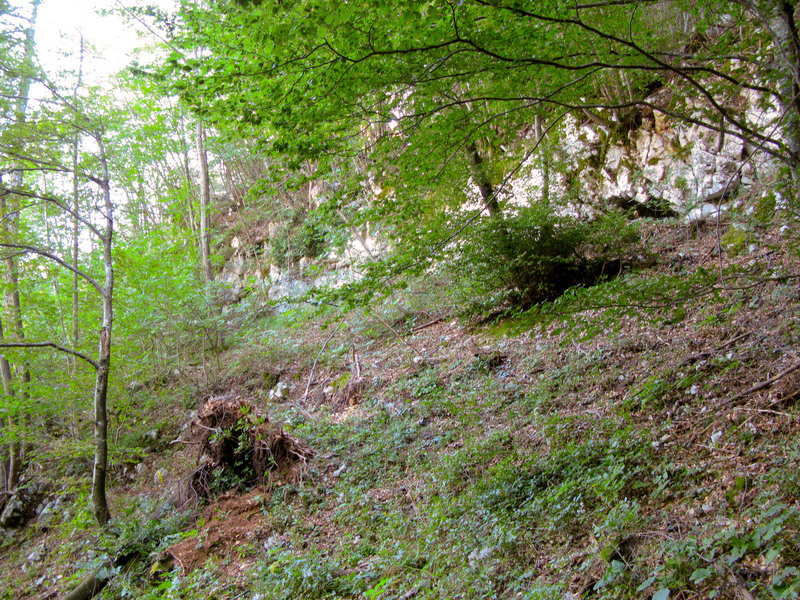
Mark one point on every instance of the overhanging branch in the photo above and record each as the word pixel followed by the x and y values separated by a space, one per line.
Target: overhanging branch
pixel 41 252
pixel 64 349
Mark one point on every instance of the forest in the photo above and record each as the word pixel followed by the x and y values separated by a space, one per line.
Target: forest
pixel 396 299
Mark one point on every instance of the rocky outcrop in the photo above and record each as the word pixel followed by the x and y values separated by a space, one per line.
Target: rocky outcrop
pixel 660 168
pixel 662 162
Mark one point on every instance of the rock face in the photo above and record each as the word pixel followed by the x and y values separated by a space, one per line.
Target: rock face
pixel 661 168
pixel 679 165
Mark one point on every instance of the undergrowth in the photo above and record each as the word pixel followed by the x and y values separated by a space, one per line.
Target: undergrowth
pixel 608 452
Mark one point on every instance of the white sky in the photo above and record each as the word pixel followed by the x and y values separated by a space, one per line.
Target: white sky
pixel 108 40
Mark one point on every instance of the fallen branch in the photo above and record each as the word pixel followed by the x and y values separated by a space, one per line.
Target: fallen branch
pixel 92 584
pixel 428 324
pixel 703 355
pixel 311 375
pixel 763 384
pixel 398 336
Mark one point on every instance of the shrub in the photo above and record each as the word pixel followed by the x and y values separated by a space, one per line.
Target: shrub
pixel 522 259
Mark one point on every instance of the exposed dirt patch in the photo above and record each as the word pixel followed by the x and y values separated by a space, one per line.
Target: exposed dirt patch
pixel 231 521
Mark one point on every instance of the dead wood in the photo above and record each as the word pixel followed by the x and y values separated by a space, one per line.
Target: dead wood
pixel 492 358
pixel 234 436
pixel 426 325
pixel 763 384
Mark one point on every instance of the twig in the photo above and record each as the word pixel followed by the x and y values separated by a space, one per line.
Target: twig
pixel 763 384
pixel 301 409
pixel 770 412
pixel 356 364
pixel 702 355
pixel 397 335
pixel 311 374
pixel 428 324
pixel 733 341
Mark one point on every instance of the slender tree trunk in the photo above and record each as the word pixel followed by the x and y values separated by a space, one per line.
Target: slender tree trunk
pixel 75 223
pixel 205 202
pixel 99 501
pixel 544 159
pixel 13 472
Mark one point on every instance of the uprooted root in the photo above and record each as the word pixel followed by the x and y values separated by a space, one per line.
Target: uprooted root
pixel 235 438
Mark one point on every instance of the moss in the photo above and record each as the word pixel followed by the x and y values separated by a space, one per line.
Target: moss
pixel 734 241
pixel 765 209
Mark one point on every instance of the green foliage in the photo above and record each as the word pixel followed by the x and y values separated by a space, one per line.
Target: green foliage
pixel 523 259
pixel 296 238
pixel 286 575
pixel 706 563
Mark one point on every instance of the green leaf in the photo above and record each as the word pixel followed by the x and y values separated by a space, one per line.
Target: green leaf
pixel 661 594
pixel 701 575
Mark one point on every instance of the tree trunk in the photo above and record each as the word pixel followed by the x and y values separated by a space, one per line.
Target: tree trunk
pixel 482 180
pixel 544 159
pixel 777 16
pixel 205 202
pixel 99 501
pixel 784 31
pixel 75 223
pixel 10 223
pixel 13 472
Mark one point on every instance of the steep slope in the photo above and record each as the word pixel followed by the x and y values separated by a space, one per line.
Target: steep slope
pixel 608 452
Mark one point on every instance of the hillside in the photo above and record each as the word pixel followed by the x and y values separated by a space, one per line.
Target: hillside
pixel 401 299
pixel 647 457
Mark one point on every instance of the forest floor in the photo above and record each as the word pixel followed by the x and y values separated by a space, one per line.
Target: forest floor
pixel 615 449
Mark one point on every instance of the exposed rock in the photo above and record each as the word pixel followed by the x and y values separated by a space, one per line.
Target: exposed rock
pixel 22 505
pixel 52 510
pixel 279 392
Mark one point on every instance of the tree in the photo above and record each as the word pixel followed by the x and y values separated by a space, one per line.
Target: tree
pixel 9 219
pixel 205 203
pixel 46 133
pixel 451 85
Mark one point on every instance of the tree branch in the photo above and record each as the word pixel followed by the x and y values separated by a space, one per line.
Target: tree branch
pixel 41 252
pixel 56 202
pixel 58 347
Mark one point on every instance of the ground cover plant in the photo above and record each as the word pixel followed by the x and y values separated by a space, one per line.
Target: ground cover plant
pixel 537 457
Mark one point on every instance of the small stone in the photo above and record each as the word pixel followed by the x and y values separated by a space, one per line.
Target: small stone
pixel 159 476
pixel 279 392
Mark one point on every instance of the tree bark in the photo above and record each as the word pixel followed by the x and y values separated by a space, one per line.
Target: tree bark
pixel 544 159
pixel 777 17
pixel 10 225
pixel 13 472
pixel 75 222
pixel 99 500
pixel 205 202
pixel 482 180
pixel 784 32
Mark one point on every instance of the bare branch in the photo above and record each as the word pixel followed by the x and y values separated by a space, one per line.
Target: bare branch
pixel 58 347
pixel 60 204
pixel 42 252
